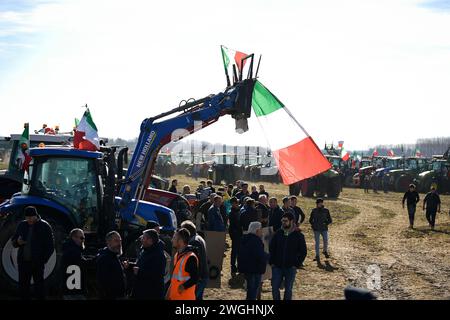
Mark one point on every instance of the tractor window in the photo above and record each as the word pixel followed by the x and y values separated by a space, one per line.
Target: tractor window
pixel 5 153
pixel 412 164
pixel 71 182
pixel 437 165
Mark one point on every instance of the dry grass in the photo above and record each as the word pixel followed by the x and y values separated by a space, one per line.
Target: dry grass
pixel 368 229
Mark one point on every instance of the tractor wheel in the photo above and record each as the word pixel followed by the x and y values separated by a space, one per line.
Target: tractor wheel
pixel 294 189
pixel 9 273
pixel 334 188
pixel 349 182
pixel 402 183
pixel 308 187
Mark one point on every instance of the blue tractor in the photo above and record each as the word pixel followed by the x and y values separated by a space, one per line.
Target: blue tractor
pixel 73 188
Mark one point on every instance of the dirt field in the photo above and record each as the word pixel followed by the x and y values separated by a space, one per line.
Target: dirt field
pixel 370 231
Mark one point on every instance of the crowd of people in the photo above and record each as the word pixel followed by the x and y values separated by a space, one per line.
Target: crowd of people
pixel 176 267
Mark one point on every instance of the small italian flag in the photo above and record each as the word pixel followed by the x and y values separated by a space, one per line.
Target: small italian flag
pixel 345 155
pixel 297 155
pixel 418 153
pixel 25 137
pixel 232 57
pixel 86 135
pixel 375 153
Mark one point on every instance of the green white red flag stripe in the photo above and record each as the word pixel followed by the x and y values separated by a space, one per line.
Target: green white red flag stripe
pixel 345 155
pixel 86 135
pixel 232 57
pixel 297 155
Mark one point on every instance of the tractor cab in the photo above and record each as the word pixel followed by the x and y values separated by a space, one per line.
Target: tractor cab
pixel 70 179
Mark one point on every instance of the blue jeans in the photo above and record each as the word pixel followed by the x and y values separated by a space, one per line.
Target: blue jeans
pixel 200 288
pixel 324 235
pixel 277 278
pixel 253 282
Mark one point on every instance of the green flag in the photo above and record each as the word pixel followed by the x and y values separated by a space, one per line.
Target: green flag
pixel 25 138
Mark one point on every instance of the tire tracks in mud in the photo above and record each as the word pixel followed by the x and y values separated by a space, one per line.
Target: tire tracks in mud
pixel 376 239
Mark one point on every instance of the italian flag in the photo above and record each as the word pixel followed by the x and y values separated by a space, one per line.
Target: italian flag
pixel 232 57
pixel 418 153
pixel 86 135
pixel 375 153
pixel 23 157
pixel 25 137
pixel 297 155
pixel 345 155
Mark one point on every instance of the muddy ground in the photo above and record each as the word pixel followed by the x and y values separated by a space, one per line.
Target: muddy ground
pixel 370 234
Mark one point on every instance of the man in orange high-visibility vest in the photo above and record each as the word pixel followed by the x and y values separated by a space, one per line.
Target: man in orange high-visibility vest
pixel 185 273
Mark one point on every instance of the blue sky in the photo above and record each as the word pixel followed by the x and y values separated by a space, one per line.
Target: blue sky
pixel 362 71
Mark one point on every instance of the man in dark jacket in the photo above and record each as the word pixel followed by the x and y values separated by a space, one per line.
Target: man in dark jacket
pixel 203 208
pixel 253 260
pixel 412 198
pixel 262 191
pixel 34 238
pixel 149 269
pixel 248 213
pixel 215 220
pixel 319 220
pixel 275 214
pixel 111 280
pixel 262 210
pixel 199 244
pixel 287 252
pixel 243 192
pixel 299 215
pixel 173 187
pixel 255 194
pixel 235 232
pixel 72 264
pixel 432 203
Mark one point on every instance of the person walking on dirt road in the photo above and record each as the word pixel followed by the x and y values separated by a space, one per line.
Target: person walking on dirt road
pixel 34 238
pixel 412 198
pixel 432 204
pixel 319 220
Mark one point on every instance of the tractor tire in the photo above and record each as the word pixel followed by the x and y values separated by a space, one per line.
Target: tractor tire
pixel 349 182
pixel 334 188
pixel 308 187
pixel 402 183
pixel 294 189
pixel 9 274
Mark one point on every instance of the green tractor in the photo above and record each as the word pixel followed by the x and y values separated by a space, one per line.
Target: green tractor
pixel 327 183
pixel 401 178
pixel 438 176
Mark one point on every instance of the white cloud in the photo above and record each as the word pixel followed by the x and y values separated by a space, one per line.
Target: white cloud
pixel 365 72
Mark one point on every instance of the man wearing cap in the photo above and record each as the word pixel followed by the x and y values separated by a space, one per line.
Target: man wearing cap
pixel 34 238
pixel 287 252
pixel 412 198
pixel 243 193
pixel 319 220
pixel 248 213
pixel 432 204
pixel 253 259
